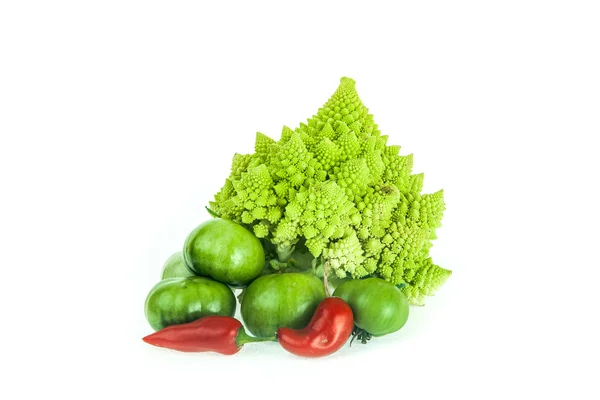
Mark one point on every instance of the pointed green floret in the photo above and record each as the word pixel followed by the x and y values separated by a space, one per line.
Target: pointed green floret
pixel 334 189
pixel 425 280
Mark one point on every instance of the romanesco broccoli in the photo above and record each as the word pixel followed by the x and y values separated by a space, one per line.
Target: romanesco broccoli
pixel 334 188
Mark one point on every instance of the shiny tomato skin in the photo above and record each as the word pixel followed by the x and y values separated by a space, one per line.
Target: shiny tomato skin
pixel 224 251
pixel 175 267
pixel 281 300
pixel 379 307
pixel 180 300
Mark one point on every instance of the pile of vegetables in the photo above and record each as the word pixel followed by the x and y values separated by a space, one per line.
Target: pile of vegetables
pixel 329 204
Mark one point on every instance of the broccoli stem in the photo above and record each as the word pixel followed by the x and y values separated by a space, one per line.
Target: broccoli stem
pixel 284 253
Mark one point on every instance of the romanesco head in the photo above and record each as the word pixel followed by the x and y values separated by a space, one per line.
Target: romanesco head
pixel 334 186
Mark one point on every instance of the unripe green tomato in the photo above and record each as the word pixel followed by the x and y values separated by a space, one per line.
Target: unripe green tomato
pixel 281 300
pixel 175 267
pixel 180 300
pixel 225 251
pixel 379 307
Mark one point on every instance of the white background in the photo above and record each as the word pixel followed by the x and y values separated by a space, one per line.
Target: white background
pixel 118 122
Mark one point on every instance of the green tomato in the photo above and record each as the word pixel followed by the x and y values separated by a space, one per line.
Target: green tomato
pixel 379 307
pixel 180 300
pixel 175 267
pixel 281 300
pixel 225 251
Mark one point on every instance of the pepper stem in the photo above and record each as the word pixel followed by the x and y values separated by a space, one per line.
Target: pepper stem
pixel 242 338
pixel 325 282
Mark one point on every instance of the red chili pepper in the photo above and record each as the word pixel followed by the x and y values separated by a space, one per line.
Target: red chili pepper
pixel 220 334
pixel 327 331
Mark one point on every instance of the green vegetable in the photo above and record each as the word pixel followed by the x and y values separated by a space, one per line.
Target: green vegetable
pixel 334 188
pixel 225 251
pixel 180 300
pixel 175 267
pixel 280 300
pixel 379 307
